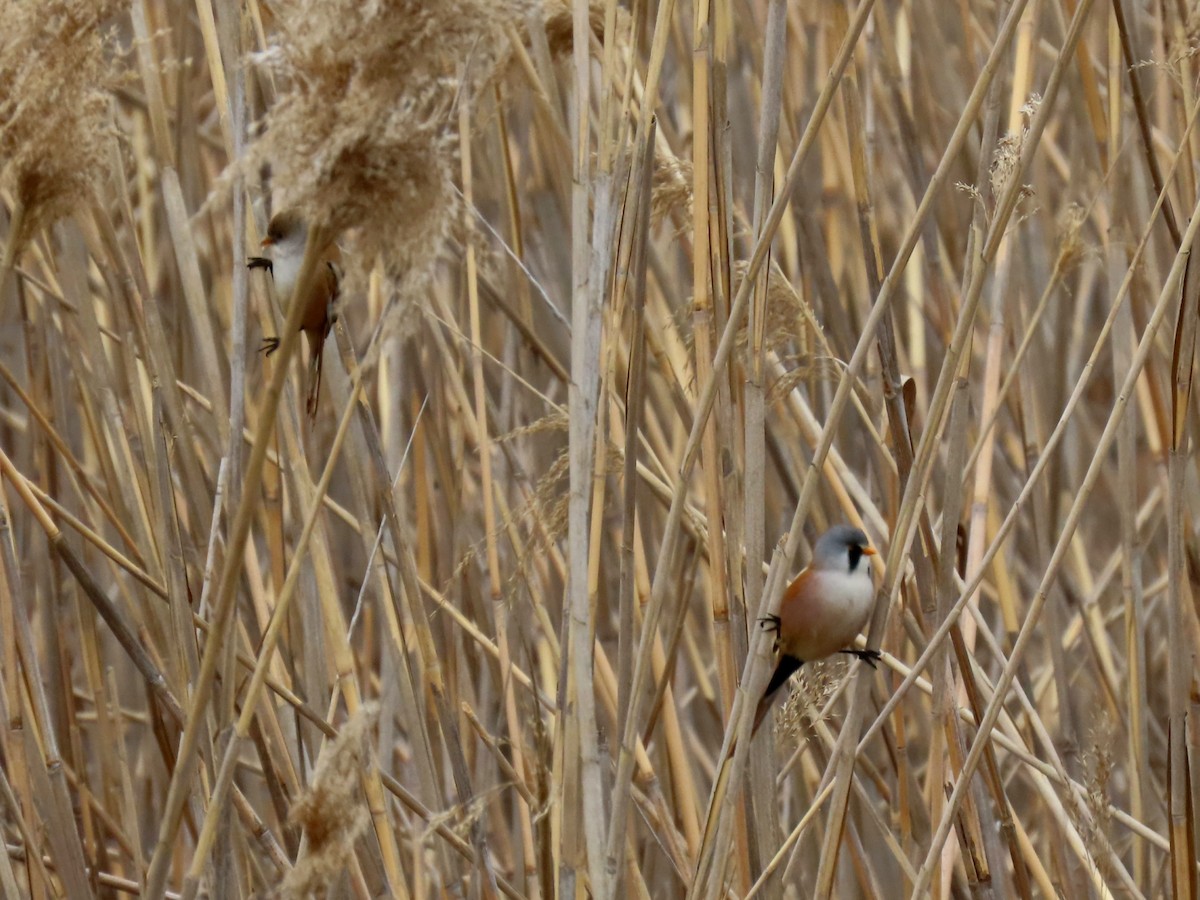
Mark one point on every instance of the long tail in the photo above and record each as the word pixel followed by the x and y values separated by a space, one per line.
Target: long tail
pixel 316 344
pixel 788 666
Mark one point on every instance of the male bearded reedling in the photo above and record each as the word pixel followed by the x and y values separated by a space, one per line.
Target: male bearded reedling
pixel 287 235
pixel 823 609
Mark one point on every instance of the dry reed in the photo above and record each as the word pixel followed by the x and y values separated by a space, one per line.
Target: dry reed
pixel 640 298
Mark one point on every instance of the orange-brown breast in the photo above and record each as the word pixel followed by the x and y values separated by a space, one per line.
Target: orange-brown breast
pixel 812 624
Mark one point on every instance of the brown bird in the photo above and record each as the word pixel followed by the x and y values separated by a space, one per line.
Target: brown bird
pixel 823 609
pixel 287 235
pixel 819 615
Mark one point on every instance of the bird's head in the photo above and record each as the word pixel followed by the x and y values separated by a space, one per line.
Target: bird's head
pixel 286 235
pixel 841 549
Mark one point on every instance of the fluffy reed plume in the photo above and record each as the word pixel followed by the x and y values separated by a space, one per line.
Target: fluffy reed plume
pixel 672 187
pixel 53 107
pixel 332 813
pixel 1008 151
pixel 364 136
pixel 560 25
pixel 789 318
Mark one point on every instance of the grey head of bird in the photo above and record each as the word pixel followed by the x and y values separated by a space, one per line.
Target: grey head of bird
pixel 841 548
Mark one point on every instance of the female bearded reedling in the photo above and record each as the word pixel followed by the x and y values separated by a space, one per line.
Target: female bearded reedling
pixel 823 609
pixel 287 235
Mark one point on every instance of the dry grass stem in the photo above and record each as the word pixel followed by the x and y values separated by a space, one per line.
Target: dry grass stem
pixel 635 301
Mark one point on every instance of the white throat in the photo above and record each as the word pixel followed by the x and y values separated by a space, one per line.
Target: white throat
pixel 286 260
pixel 855 591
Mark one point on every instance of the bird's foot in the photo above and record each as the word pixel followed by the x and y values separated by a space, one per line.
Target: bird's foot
pixel 269 345
pixel 870 657
pixel 769 623
pixel 259 262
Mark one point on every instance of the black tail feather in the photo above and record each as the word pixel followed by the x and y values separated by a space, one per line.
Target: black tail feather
pixel 788 666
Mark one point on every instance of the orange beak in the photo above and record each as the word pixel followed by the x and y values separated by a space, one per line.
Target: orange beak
pixel 869 551
pixel 267 242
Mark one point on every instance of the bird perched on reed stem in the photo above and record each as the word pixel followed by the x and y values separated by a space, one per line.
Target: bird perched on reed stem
pixel 287 236
pixel 820 613
pixel 822 609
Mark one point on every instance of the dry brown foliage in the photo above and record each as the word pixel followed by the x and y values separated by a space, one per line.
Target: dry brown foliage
pixel 332 813
pixel 55 79
pixel 613 348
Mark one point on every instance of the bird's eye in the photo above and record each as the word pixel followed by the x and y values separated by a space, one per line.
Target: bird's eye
pixel 856 554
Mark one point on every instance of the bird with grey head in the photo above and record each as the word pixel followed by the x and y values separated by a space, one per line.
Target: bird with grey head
pixel 823 609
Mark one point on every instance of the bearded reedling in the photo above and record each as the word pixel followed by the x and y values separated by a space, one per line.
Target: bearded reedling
pixel 823 609
pixel 287 235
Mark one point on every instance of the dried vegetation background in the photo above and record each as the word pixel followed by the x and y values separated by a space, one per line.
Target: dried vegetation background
pixel 639 298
